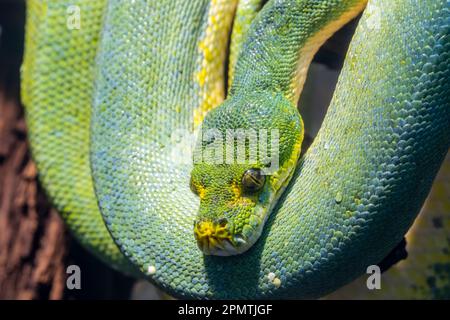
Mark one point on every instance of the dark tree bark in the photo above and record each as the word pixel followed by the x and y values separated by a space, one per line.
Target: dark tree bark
pixel 32 236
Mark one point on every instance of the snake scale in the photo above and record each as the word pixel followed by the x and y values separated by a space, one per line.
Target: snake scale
pixel 103 102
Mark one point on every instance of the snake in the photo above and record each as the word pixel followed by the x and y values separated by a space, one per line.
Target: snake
pixel 118 97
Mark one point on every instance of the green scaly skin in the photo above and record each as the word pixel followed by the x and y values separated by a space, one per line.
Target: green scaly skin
pixel 354 193
pixel 246 12
pixel 57 86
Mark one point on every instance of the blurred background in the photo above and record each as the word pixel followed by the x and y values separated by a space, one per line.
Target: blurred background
pixel 36 247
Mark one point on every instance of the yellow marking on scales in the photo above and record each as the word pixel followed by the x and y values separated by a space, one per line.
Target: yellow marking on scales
pixel 279 178
pixel 212 55
pixel 201 191
pixel 237 191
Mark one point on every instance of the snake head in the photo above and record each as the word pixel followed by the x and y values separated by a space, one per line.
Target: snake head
pixel 243 160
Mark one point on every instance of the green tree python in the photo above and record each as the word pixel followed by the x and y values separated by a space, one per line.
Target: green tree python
pixel 103 102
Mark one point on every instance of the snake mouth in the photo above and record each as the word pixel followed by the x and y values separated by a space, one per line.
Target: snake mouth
pixel 216 239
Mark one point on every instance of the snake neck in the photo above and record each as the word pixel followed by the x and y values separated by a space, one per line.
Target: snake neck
pixel 282 42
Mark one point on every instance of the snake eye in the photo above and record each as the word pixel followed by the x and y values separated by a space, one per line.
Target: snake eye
pixel 253 180
pixel 222 221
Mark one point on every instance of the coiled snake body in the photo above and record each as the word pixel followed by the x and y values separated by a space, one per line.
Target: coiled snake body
pixel 104 100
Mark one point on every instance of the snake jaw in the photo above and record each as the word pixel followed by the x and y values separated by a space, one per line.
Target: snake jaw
pixel 212 237
pixel 216 239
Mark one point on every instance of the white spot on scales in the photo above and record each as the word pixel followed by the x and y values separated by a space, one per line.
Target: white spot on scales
pixel 273 278
pixel 151 270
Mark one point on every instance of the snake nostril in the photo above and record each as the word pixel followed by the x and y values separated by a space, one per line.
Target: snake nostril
pixel 222 222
